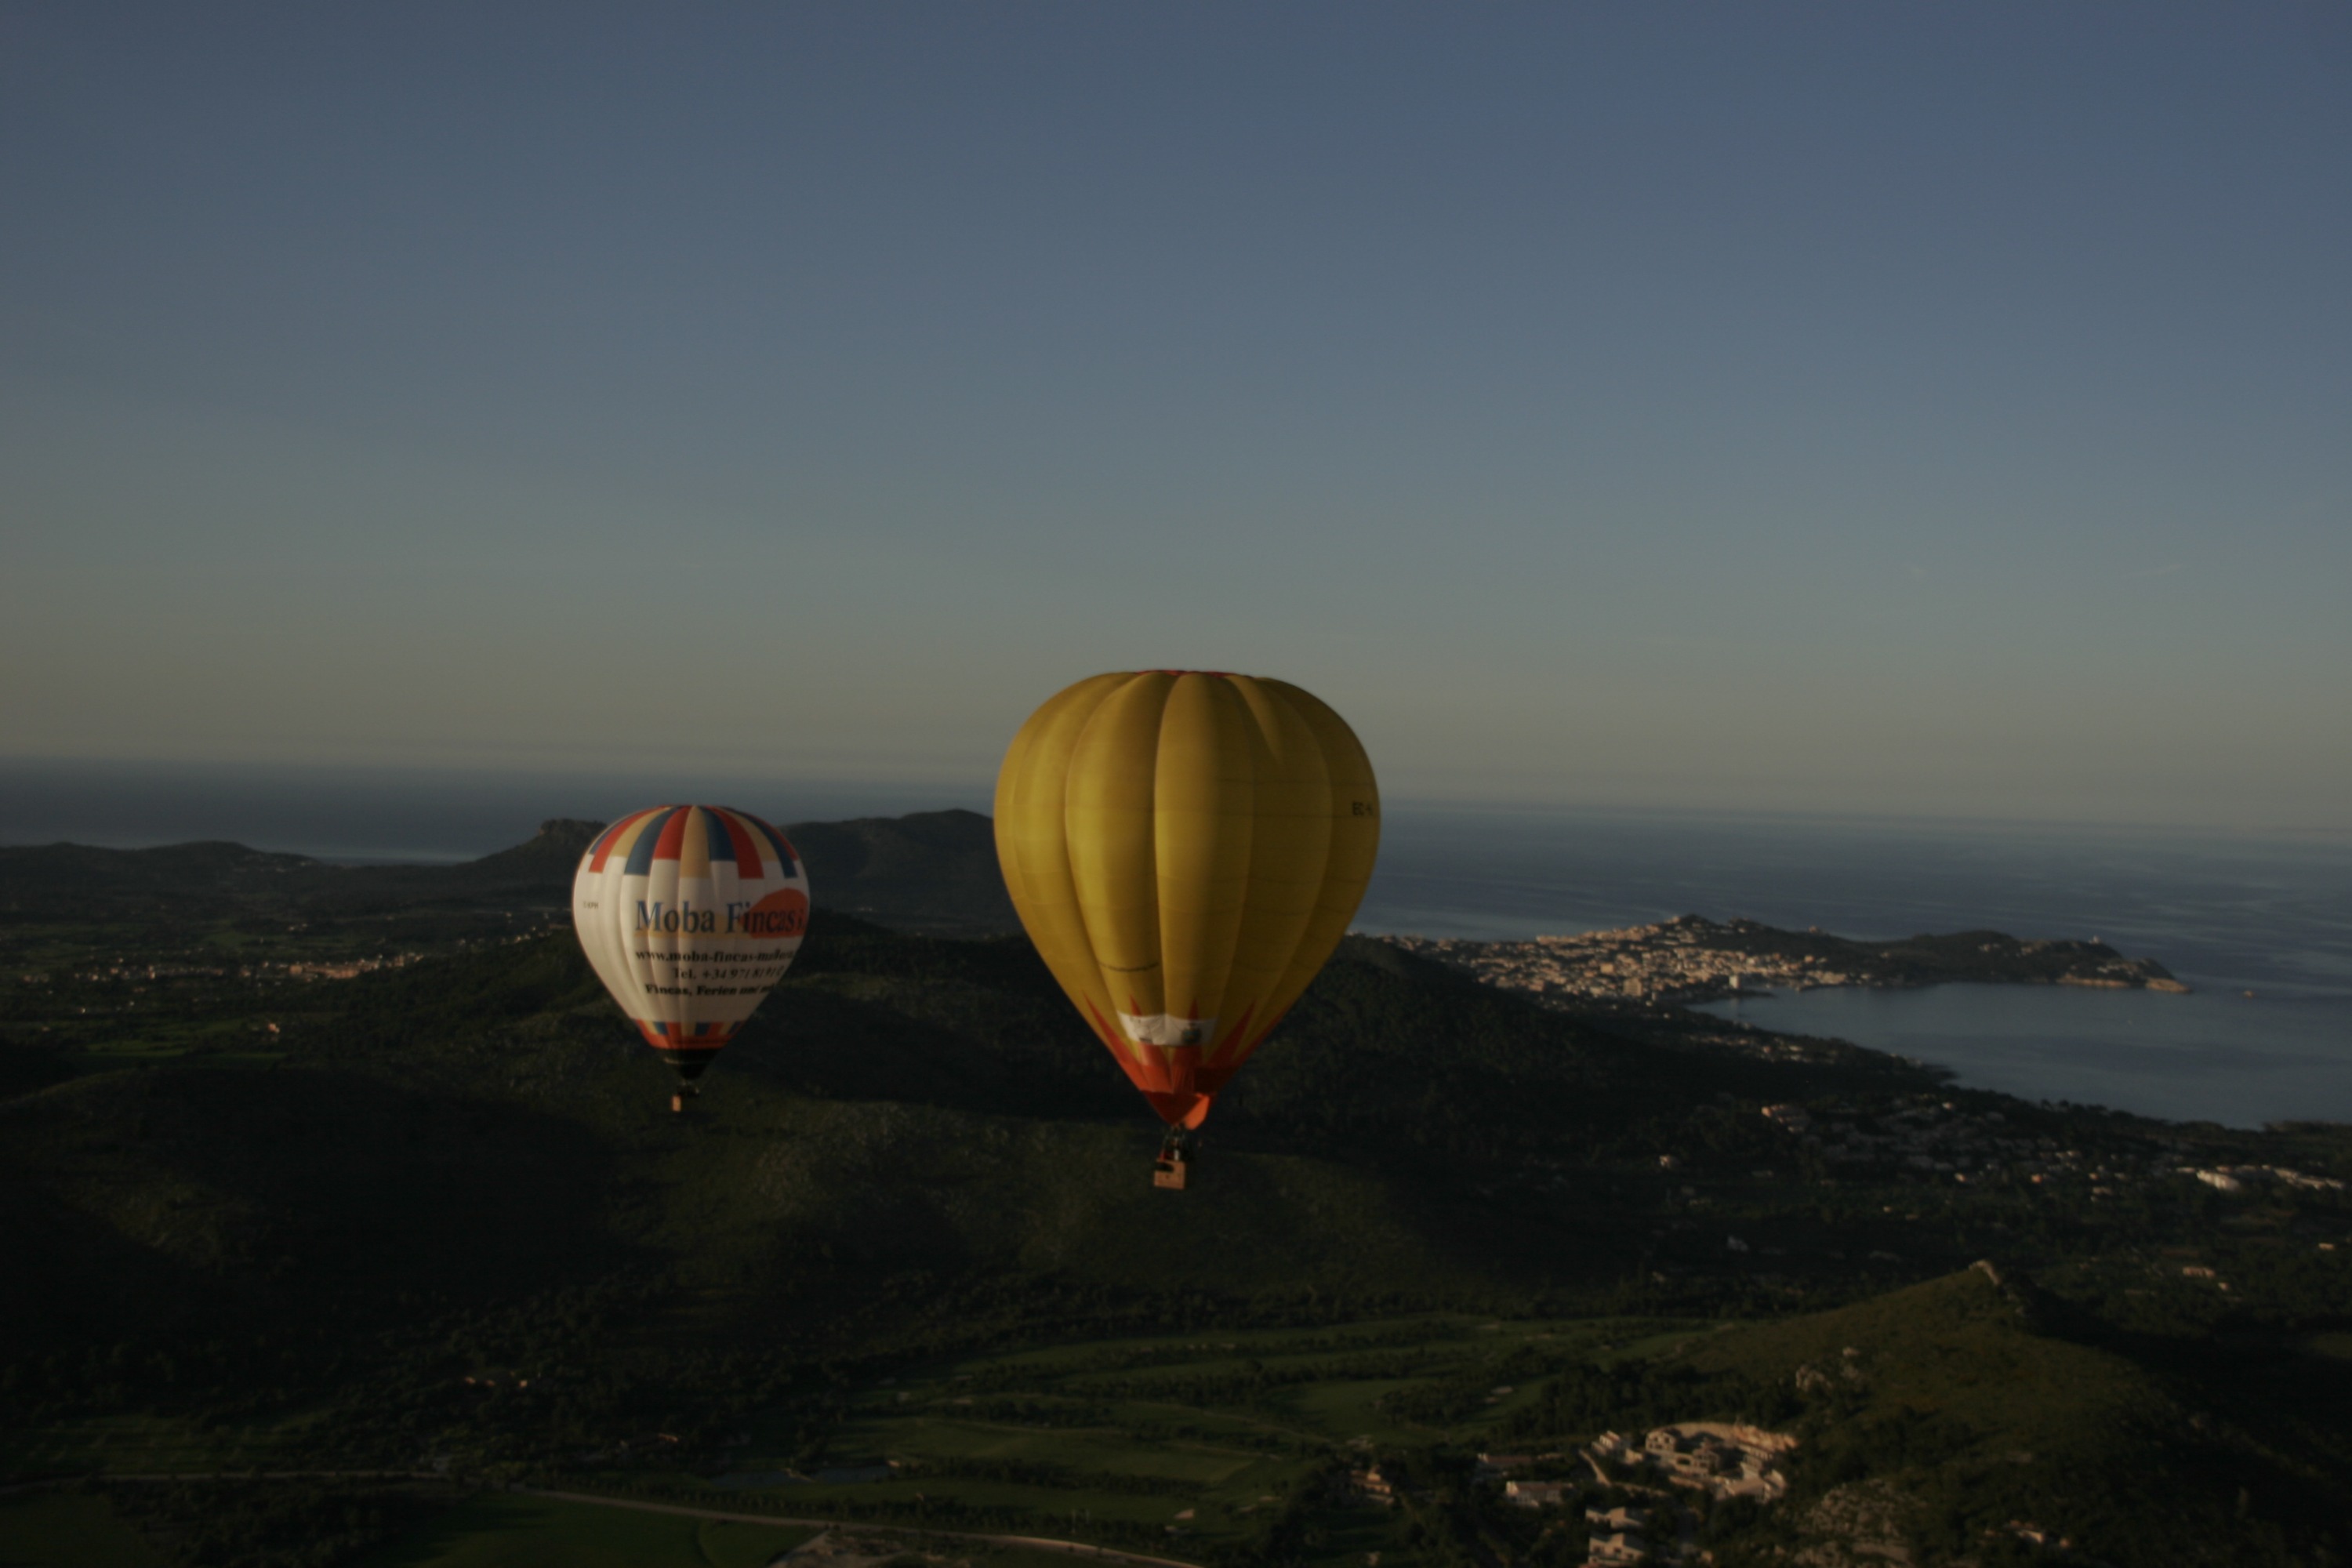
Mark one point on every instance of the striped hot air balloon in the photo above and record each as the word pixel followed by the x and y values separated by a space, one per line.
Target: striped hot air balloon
pixel 1186 849
pixel 689 914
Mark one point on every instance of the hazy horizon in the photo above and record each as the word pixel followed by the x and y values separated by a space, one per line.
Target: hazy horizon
pixel 1925 413
pixel 452 813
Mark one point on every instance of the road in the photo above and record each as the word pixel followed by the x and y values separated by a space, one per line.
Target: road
pixel 1038 1543
pixel 47 1482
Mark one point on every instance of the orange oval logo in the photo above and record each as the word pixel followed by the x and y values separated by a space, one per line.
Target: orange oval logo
pixel 783 913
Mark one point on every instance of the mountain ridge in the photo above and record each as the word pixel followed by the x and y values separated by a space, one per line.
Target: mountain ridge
pixel 924 871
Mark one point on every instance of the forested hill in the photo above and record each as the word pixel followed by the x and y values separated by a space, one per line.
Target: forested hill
pixel 484 1122
pixel 929 871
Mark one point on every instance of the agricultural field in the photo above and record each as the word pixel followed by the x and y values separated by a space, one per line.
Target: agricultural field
pixel 1188 1446
pixel 151 1444
pixel 68 1530
pixel 502 1531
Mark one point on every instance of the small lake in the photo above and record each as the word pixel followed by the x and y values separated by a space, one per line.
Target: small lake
pixel 2215 1055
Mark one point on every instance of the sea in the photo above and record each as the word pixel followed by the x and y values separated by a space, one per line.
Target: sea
pixel 2258 925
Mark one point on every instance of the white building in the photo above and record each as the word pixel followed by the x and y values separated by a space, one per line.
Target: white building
pixel 1612 1551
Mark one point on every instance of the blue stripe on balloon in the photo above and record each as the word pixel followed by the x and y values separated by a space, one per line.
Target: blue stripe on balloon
pixel 714 827
pixel 641 852
pixel 787 863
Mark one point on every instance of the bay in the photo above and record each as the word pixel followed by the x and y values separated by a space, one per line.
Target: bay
pixel 2216 1055
pixel 2227 913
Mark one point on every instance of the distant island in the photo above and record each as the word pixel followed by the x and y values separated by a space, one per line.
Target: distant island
pixel 1693 959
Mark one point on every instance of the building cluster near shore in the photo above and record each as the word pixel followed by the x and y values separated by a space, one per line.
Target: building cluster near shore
pixel 1693 959
pixel 1943 1140
pixel 138 976
pixel 2246 1178
pixel 1683 960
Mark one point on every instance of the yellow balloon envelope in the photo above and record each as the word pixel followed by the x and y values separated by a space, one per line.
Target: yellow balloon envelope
pixel 1186 848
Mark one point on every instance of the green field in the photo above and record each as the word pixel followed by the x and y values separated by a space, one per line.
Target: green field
pixel 1233 1446
pixel 1180 1444
pixel 149 1445
pixel 1173 1444
pixel 500 1531
pixel 67 1530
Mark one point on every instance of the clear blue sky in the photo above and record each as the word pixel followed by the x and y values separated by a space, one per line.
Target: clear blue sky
pixel 1911 408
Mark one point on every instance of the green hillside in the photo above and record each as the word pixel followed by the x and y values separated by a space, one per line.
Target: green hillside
pixel 930 870
pixel 483 1125
pixel 1955 1408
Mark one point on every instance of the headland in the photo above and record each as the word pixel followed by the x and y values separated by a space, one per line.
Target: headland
pixel 1693 959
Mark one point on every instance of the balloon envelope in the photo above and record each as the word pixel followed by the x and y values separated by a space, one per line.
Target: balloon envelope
pixel 1185 849
pixel 689 914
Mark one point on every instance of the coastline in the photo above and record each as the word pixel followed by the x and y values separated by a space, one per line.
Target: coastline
pixel 1692 958
pixel 2040 1022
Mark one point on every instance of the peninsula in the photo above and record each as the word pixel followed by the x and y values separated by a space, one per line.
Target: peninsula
pixel 1693 959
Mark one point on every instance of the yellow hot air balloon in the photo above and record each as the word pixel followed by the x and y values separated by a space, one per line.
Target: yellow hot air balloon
pixel 1186 848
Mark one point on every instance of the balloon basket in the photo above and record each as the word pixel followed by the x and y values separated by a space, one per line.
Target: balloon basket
pixel 1173 1166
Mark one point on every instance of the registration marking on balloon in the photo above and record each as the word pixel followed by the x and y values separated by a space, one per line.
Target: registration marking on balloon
pixel 689 915
pixel 1162 1029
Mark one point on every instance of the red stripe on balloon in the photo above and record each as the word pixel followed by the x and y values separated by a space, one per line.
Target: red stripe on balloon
pixel 603 851
pixel 748 865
